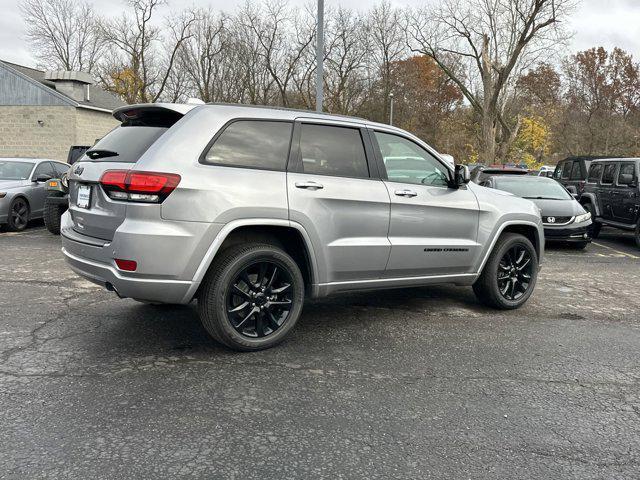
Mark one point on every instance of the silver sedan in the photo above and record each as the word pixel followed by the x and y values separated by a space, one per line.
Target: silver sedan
pixel 22 191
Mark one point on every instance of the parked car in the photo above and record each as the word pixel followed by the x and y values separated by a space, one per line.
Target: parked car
pixel 481 173
pixel 249 209
pixel 564 219
pixel 22 190
pixel 612 195
pixel 544 171
pixel 572 172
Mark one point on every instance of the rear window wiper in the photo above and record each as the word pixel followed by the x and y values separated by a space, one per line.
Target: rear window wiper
pixel 97 153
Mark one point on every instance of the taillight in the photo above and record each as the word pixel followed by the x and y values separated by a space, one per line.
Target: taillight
pixel 138 186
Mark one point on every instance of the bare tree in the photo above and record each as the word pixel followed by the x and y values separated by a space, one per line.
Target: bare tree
pixel 479 44
pixel 63 33
pixel 387 33
pixel 138 48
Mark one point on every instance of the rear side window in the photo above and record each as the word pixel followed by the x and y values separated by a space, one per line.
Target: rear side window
pixel 609 173
pixel 45 168
pixel 259 144
pixel 566 170
pixel 594 173
pixel 626 175
pixel 124 144
pixel 336 151
pixel 576 171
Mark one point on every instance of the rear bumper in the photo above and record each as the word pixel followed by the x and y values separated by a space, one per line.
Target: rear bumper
pixel 167 254
pixel 107 276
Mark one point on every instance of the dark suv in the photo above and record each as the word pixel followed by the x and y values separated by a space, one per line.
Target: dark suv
pixel 612 194
pixel 572 172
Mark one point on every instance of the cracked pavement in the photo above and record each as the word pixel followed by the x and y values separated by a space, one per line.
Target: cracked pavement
pixel 414 383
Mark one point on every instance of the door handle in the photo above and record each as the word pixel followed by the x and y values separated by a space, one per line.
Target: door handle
pixel 405 193
pixel 311 185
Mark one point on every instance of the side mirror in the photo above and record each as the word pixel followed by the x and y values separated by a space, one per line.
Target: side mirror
pixel 43 177
pixel 461 176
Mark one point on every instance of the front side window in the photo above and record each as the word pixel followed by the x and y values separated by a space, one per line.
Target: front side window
pixel 626 175
pixel 609 172
pixel 566 170
pixel 576 171
pixel 407 162
pixel 260 144
pixel 60 168
pixel 45 168
pixel 594 173
pixel 336 151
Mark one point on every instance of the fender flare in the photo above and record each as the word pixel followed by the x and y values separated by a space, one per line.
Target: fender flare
pixel 213 249
pixel 500 230
pixel 593 200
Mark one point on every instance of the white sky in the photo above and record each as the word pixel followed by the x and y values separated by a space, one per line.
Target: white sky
pixel 606 23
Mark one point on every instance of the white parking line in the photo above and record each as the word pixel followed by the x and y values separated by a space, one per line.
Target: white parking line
pixel 617 251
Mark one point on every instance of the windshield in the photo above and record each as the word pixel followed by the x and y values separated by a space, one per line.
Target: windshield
pixel 13 170
pixel 533 187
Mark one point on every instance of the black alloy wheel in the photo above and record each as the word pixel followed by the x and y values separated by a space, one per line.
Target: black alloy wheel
pixel 18 214
pixel 260 301
pixel 514 272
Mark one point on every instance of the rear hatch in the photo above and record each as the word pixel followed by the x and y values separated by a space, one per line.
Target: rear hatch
pixel 94 214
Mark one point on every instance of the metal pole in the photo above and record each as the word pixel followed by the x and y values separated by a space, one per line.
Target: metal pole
pixel 391 110
pixel 319 56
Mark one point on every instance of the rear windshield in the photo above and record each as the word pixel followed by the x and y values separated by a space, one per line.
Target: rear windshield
pixel 124 144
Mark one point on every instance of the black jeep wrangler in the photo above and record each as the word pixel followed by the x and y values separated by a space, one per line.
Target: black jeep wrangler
pixel 612 195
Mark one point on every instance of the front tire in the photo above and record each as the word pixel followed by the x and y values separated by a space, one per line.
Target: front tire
pixel 53 213
pixel 595 227
pixel 19 213
pixel 252 297
pixel 510 274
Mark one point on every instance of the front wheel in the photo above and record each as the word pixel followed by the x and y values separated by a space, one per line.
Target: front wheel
pixel 18 215
pixel 594 228
pixel 252 297
pixel 510 274
pixel 53 213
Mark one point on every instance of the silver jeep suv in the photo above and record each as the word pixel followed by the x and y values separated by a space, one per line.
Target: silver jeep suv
pixel 250 209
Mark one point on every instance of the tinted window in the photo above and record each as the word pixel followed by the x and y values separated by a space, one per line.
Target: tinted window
pixel 558 171
pixel 60 168
pixel 576 171
pixel 566 170
pixel 124 144
pixel 328 150
pixel 11 170
pixel 407 162
pixel 253 144
pixel 594 173
pixel 609 172
pixel 625 177
pixel 45 168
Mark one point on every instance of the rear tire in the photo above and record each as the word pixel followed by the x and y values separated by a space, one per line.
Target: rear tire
pixel 594 228
pixel 53 213
pixel 19 214
pixel 503 269
pixel 251 297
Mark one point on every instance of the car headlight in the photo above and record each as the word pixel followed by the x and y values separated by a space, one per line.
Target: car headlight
pixel 583 218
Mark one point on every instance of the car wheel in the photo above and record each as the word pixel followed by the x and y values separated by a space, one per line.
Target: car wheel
pixel 18 215
pixel 53 213
pixel 578 245
pixel 594 229
pixel 509 276
pixel 252 297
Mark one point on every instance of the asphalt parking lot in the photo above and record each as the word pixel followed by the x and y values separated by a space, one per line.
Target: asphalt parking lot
pixel 415 383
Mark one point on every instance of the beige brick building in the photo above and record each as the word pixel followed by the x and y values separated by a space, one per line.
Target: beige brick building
pixel 42 114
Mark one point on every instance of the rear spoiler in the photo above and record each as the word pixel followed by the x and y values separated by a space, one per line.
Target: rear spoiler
pixel 130 111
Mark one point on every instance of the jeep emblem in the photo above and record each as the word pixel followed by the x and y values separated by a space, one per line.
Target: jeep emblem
pixel 79 169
